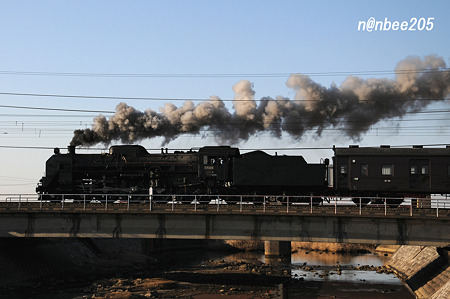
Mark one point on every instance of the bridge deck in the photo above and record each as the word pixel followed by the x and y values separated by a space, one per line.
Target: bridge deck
pixel 268 209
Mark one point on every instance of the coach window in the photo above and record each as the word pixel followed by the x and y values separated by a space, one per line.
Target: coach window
pixel 424 169
pixel 364 170
pixel 448 170
pixel 413 169
pixel 343 169
pixel 387 170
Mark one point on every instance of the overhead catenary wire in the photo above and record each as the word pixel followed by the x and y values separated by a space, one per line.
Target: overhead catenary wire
pixel 111 112
pixel 31 127
pixel 12 178
pixel 429 111
pixel 54 109
pixel 183 99
pixel 243 148
pixel 216 75
pixel 51 127
pixel 237 123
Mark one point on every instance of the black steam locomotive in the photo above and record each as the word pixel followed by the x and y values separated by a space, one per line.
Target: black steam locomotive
pixel 356 172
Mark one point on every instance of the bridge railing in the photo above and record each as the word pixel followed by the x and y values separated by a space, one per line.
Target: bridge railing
pixel 437 205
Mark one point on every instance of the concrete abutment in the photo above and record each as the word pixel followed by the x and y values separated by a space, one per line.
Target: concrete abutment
pixel 424 269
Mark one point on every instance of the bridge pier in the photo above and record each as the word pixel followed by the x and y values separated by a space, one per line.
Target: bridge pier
pixel 276 250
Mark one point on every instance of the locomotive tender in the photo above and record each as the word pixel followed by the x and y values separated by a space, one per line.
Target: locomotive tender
pixel 356 172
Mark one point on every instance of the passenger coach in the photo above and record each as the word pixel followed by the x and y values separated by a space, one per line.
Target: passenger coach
pixel 394 172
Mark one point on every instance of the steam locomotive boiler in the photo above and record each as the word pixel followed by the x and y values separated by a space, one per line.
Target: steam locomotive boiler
pixel 127 169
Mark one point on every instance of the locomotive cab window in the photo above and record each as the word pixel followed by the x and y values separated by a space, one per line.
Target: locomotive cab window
pixel 209 160
pixel 387 170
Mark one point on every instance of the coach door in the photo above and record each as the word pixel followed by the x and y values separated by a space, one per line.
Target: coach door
pixel 419 174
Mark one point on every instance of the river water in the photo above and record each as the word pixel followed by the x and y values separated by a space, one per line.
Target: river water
pixel 319 271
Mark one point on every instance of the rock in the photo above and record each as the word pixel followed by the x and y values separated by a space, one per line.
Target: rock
pixel 151 294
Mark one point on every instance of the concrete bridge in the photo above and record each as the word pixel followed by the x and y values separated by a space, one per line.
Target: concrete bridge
pixel 376 225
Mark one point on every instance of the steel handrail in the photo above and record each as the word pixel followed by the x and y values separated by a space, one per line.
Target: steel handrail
pixel 309 201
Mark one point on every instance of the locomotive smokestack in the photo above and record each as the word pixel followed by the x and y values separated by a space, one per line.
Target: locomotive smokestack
pixel 352 108
pixel 71 149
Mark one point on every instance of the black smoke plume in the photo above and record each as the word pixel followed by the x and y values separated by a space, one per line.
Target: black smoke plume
pixel 353 107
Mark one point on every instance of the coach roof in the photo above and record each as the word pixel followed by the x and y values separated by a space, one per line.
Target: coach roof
pixel 388 151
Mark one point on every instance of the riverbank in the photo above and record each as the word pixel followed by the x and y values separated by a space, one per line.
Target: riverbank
pixel 424 269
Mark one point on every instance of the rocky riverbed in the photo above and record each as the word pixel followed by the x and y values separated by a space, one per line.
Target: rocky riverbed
pixel 247 278
pixel 120 269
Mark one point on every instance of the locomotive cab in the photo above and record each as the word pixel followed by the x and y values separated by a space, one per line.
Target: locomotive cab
pixel 216 164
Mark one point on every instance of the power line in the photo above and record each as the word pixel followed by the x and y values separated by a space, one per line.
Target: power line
pixel 10 185
pixel 430 111
pixel 48 115
pixel 26 147
pixel 192 99
pixel 92 97
pixel 111 112
pixel 15 179
pixel 243 149
pixel 214 75
pixel 266 137
pixel 47 128
pixel 55 109
pixel 233 125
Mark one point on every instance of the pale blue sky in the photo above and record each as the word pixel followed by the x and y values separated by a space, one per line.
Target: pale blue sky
pixel 190 37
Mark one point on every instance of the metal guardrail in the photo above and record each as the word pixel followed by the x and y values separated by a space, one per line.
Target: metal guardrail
pixel 260 203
